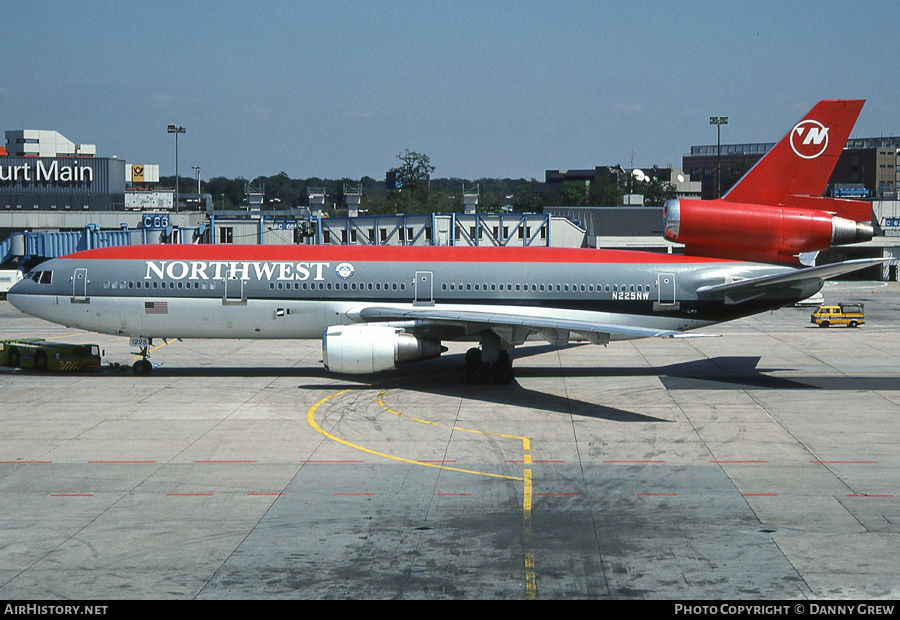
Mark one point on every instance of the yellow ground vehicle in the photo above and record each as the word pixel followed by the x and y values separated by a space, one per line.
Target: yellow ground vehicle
pixel 850 315
pixel 44 355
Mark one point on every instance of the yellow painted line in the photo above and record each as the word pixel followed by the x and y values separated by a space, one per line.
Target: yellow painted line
pixel 398 414
pixel 530 582
pixel 527 494
pixel 310 416
pixel 526 443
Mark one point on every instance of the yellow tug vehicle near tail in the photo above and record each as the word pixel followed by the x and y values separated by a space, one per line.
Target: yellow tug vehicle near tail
pixel 851 315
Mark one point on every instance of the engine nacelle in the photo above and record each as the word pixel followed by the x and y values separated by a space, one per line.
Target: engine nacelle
pixel 764 233
pixel 363 349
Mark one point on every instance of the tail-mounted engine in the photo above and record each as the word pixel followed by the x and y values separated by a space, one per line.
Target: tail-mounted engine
pixel 762 233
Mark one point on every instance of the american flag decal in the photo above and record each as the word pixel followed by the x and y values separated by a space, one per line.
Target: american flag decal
pixel 156 307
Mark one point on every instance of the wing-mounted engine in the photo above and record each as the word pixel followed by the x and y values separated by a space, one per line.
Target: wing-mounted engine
pixel 361 349
pixel 762 233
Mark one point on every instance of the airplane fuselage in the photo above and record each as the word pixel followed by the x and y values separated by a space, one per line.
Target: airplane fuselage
pixel 298 291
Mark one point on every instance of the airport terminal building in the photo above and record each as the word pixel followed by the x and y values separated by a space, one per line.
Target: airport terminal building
pixel 42 170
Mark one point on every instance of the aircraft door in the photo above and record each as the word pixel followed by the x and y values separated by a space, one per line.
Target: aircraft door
pixel 233 293
pixel 665 283
pixel 79 286
pixel 424 288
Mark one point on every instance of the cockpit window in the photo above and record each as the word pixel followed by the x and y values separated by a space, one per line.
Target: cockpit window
pixel 41 277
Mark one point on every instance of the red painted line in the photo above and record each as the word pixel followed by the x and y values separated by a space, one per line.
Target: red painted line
pixel 452 494
pixel 867 495
pixel 843 462
pixel 657 494
pixel 354 494
pixel 71 495
pixel 120 462
pixel 188 494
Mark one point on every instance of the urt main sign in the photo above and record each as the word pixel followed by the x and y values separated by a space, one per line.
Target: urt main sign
pixel 42 171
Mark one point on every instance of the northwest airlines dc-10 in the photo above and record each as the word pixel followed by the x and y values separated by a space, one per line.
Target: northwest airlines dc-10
pixel 377 306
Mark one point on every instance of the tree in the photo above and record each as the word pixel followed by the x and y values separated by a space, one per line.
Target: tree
pixel 574 194
pixel 605 190
pixel 414 171
pixel 412 177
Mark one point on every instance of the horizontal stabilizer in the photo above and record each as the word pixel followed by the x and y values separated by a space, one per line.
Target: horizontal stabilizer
pixel 751 288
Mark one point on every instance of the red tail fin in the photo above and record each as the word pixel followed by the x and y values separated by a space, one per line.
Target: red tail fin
pixel 776 212
pixel 800 165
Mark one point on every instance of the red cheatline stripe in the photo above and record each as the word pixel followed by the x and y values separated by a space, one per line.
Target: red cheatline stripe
pixel 364 254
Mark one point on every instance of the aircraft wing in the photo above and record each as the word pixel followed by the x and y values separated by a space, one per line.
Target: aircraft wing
pixel 740 291
pixel 514 327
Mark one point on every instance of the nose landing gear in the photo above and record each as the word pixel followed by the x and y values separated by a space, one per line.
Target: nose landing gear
pixel 143 365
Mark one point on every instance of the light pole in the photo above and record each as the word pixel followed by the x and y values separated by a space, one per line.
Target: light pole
pixel 197 170
pixel 176 129
pixel 718 121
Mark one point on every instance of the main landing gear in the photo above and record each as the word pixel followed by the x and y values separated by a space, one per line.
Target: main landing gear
pixel 479 371
pixel 490 363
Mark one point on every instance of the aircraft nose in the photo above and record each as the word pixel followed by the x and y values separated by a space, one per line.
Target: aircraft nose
pixel 16 293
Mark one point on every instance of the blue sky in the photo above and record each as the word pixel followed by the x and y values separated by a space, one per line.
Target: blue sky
pixel 486 89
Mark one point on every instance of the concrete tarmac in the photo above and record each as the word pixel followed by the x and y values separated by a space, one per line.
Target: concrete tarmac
pixel 758 465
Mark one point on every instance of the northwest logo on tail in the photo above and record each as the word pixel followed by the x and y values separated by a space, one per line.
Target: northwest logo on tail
pixel 809 139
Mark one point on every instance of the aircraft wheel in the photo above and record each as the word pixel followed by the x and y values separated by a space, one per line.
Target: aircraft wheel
pixel 143 367
pixel 475 370
pixel 502 372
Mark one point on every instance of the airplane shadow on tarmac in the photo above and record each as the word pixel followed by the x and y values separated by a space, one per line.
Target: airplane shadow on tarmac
pixel 444 376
